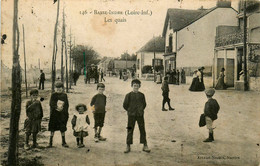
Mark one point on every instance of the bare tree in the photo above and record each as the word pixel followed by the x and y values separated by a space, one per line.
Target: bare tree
pixel 25 76
pixel 16 94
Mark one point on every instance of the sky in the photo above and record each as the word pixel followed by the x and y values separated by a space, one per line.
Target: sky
pixel 109 39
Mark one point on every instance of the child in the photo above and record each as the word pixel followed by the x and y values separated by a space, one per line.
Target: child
pixel 59 115
pixel 135 104
pixel 99 103
pixel 165 93
pixel 210 110
pixel 34 115
pixel 80 123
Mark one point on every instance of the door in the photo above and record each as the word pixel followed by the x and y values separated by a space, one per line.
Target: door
pixel 230 73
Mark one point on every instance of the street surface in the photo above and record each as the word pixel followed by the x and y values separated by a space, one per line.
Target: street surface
pixel 237 133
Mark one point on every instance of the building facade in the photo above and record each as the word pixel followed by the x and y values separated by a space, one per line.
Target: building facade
pixel 229 49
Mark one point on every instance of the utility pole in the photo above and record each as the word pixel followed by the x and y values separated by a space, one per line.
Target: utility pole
pixel 62 41
pixel 25 77
pixel 70 70
pixel 53 69
pixel 154 58
pixel 66 55
pixel 245 48
pixel 12 158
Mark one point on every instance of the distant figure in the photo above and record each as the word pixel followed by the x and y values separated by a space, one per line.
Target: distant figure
pixel 75 77
pixel 120 74
pixel 42 79
pixel 102 76
pixel 220 84
pixel 174 73
pixel 201 86
pixel 194 83
pixel 183 77
pixel 133 74
pixel 178 77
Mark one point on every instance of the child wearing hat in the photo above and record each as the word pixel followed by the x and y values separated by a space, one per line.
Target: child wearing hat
pixel 80 123
pixel 165 94
pixel 210 111
pixel 34 115
pixel 59 115
pixel 135 104
pixel 99 103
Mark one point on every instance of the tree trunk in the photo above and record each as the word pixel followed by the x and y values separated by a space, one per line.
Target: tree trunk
pixel 66 57
pixel 53 73
pixel 16 95
pixel 25 77
pixel 62 38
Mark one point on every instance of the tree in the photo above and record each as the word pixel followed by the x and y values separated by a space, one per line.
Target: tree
pixel 126 56
pixel 16 94
pixel 78 56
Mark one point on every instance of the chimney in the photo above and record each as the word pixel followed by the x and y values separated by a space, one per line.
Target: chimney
pixel 224 3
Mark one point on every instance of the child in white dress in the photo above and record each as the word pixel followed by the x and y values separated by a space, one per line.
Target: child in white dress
pixel 80 124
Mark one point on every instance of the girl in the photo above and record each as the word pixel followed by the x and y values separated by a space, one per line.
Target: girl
pixel 80 123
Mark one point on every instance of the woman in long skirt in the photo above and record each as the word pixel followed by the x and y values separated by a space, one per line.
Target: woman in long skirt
pixel 221 84
pixel 195 81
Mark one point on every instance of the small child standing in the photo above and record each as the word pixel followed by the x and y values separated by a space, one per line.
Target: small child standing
pixel 210 111
pixel 165 94
pixel 99 103
pixel 135 104
pixel 80 123
pixel 34 115
pixel 59 115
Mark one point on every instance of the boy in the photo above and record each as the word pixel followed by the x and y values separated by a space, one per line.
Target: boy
pixel 99 103
pixel 165 94
pixel 59 115
pixel 34 115
pixel 210 110
pixel 135 104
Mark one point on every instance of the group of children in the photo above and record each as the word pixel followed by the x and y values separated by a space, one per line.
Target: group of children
pixel 134 103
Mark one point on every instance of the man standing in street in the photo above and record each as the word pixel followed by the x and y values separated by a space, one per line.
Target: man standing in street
pixel 42 79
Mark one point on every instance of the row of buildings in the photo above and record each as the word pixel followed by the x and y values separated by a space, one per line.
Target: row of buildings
pixel 212 38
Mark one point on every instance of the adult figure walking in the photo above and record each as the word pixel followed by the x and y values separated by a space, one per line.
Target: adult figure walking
pixel 42 79
pixel 178 77
pixel 183 76
pixel 221 84
pixel 102 76
pixel 201 86
pixel 120 74
pixel 195 81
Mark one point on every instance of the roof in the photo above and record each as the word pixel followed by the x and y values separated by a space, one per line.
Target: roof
pixel 156 44
pixel 121 64
pixel 181 18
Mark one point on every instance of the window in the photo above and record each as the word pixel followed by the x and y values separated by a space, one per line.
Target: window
pixel 158 62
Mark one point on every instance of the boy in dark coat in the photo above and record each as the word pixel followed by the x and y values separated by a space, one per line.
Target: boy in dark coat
pixel 210 110
pixel 165 94
pixel 135 104
pixel 34 115
pixel 59 115
pixel 99 103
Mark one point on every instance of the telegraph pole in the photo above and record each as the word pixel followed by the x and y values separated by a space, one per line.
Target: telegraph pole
pixel 154 59
pixel 245 48
pixel 62 40
pixel 70 68
pixel 25 77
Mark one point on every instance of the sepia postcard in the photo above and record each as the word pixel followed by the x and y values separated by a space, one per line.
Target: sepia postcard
pixel 130 83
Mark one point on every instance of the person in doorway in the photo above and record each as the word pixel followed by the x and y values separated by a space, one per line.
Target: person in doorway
pixel 59 115
pixel 221 84
pixel 99 104
pixel 34 115
pixel 165 94
pixel 42 79
pixel 211 109
pixel 134 104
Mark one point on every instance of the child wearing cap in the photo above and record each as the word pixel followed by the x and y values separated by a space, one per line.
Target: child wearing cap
pixel 99 103
pixel 34 115
pixel 165 94
pixel 80 123
pixel 135 104
pixel 59 115
pixel 210 111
